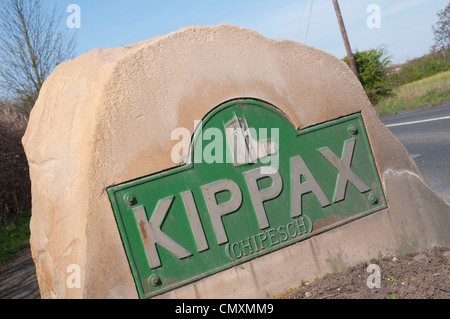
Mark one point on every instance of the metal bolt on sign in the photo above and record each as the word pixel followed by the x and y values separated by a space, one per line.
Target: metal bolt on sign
pixel 373 199
pixel 129 199
pixel 353 130
pixel 154 280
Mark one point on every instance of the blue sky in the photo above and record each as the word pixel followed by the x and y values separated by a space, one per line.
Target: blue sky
pixel 405 25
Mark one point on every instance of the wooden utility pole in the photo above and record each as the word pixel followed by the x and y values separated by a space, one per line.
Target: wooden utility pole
pixel 345 38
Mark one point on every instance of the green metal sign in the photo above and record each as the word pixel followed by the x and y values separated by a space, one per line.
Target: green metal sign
pixel 253 184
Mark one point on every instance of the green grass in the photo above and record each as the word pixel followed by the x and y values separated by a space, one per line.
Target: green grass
pixel 390 279
pixel 14 236
pixel 431 90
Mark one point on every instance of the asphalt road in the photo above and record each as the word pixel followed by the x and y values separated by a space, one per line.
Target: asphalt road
pixel 426 135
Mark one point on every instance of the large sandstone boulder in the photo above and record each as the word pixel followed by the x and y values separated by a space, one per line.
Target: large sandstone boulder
pixel 107 116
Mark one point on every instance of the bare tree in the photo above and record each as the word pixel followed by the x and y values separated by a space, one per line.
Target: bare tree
pixel 32 44
pixel 441 31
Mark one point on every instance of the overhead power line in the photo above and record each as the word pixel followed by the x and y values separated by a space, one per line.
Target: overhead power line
pixel 309 20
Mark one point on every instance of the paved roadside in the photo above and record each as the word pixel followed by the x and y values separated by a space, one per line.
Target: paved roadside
pixel 425 133
pixel 18 277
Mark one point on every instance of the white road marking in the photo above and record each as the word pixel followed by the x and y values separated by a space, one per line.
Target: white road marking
pixel 421 121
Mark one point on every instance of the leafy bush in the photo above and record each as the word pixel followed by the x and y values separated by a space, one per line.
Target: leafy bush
pixel 420 68
pixel 372 66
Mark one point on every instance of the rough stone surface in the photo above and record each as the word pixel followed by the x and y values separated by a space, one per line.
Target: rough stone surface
pixel 106 117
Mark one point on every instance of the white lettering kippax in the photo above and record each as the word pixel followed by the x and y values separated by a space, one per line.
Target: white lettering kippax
pixel 302 182
pixel 259 196
pixel 299 169
pixel 345 172
pixel 151 233
pixel 215 210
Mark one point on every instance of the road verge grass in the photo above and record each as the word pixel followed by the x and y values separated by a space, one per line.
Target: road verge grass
pixel 14 236
pixel 431 90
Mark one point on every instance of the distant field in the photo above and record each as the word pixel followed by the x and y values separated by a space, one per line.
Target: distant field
pixel 430 90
